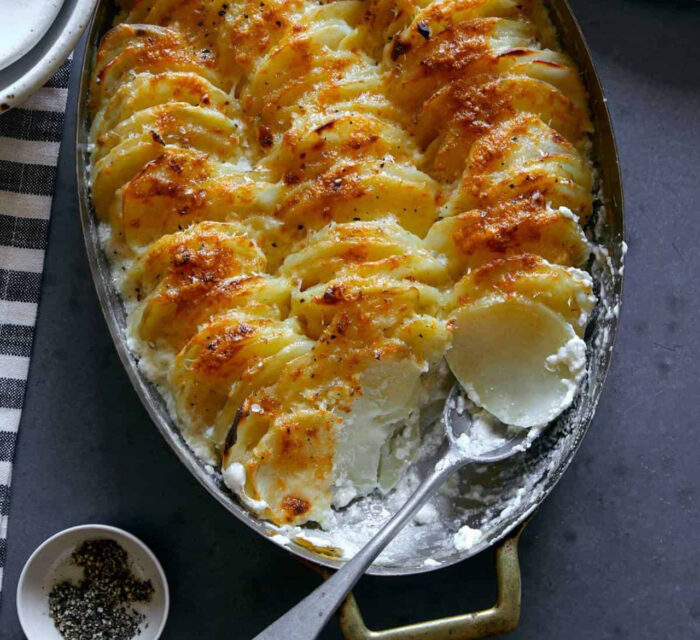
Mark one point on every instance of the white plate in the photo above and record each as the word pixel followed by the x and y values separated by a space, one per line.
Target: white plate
pixel 23 24
pixel 36 36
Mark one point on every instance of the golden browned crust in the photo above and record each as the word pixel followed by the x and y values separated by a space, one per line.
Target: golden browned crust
pixel 300 194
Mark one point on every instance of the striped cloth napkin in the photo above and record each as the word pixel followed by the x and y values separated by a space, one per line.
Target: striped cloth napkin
pixel 29 143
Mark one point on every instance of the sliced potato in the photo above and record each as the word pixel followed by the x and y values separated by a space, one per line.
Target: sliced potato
pixel 299 62
pixel 129 49
pixel 174 190
pixel 364 191
pixel 363 248
pixel 473 238
pixel 521 158
pixel 115 169
pixel 551 66
pixel 237 33
pixel 516 358
pixel 388 396
pixel 182 124
pixel 311 70
pixel 476 106
pixel 226 354
pixel 314 144
pixel 567 291
pixel 251 390
pixel 468 48
pixel 438 16
pixel 210 251
pixel 146 90
pixel 289 472
pixel 170 316
pixel 384 19
pixel 360 89
pixel 386 302
pixel 362 394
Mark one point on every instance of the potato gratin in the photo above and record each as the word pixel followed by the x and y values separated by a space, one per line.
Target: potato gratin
pixel 310 206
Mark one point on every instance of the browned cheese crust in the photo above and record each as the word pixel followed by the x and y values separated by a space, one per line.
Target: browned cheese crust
pixel 298 196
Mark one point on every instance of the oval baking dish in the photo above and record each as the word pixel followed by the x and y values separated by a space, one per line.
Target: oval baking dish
pixel 510 492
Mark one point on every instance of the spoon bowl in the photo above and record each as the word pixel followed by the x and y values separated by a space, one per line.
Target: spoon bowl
pixel 493 442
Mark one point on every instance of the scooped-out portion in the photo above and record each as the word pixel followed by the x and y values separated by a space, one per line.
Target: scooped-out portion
pixel 313 208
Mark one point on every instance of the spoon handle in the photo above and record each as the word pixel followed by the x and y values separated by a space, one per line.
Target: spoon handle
pixel 306 620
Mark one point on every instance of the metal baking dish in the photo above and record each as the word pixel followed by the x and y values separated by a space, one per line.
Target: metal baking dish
pixel 514 491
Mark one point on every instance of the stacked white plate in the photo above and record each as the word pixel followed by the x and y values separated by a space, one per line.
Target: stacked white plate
pixel 36 36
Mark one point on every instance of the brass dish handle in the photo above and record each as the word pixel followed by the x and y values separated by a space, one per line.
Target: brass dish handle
pixel 500 618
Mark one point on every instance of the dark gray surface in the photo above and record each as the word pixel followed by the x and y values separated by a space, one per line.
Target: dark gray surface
pixel 613 552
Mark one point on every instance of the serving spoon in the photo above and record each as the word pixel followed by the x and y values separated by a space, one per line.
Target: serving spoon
pixel 307 619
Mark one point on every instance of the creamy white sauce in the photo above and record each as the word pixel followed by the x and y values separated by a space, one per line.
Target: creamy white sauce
pixel 234 479
pixel 427 514
pixel 572 356
pixel 466 538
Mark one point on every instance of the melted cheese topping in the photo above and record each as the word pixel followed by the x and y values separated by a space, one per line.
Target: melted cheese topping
pixel 304 199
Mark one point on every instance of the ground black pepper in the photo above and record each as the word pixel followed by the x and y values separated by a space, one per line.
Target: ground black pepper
pixel 98 606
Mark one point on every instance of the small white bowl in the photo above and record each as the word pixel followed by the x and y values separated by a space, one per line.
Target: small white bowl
pixel 50 563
